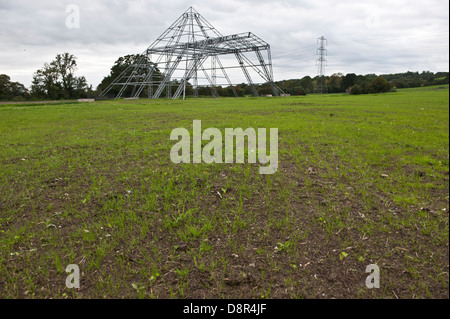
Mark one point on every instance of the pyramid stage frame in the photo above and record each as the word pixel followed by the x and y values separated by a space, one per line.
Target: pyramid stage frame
pixel 192 53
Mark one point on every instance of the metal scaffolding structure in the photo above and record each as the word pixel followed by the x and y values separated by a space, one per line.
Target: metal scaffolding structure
pixel 191 52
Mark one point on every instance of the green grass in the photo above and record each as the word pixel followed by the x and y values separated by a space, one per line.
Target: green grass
pixel 361 180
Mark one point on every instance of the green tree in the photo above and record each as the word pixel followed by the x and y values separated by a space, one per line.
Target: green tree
pixel 334 83
pixel 379 85
pixel 265 89
pixel 348 81
pixel 45 83
pixel 11 90
pixel 307 84
pixel 65 65
pixel 81 88
pixel 56 79
pixel 355 90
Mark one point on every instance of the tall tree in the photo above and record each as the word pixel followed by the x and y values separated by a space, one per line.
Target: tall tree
pixel 45 83
pixel 65 65
pixel 57 80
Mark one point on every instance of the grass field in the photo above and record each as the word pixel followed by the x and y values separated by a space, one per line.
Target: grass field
pixel 361 180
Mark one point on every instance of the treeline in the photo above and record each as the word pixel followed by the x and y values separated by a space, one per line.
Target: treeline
pixel 416 79
pixel 57 80
pixel 363 84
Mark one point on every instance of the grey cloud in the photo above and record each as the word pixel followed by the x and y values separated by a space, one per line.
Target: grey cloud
pixel 364 36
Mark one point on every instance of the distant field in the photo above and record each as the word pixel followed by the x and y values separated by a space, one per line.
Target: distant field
pixel 361 180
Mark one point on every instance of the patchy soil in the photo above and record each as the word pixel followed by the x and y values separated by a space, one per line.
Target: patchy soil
pixel 139 226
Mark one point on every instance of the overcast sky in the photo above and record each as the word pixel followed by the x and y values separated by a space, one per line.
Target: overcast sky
pixel 373 36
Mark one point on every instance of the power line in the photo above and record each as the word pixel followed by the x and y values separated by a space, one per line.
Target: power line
pixel 308 47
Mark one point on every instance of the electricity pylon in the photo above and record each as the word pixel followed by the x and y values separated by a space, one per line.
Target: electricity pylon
pixel 321 62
